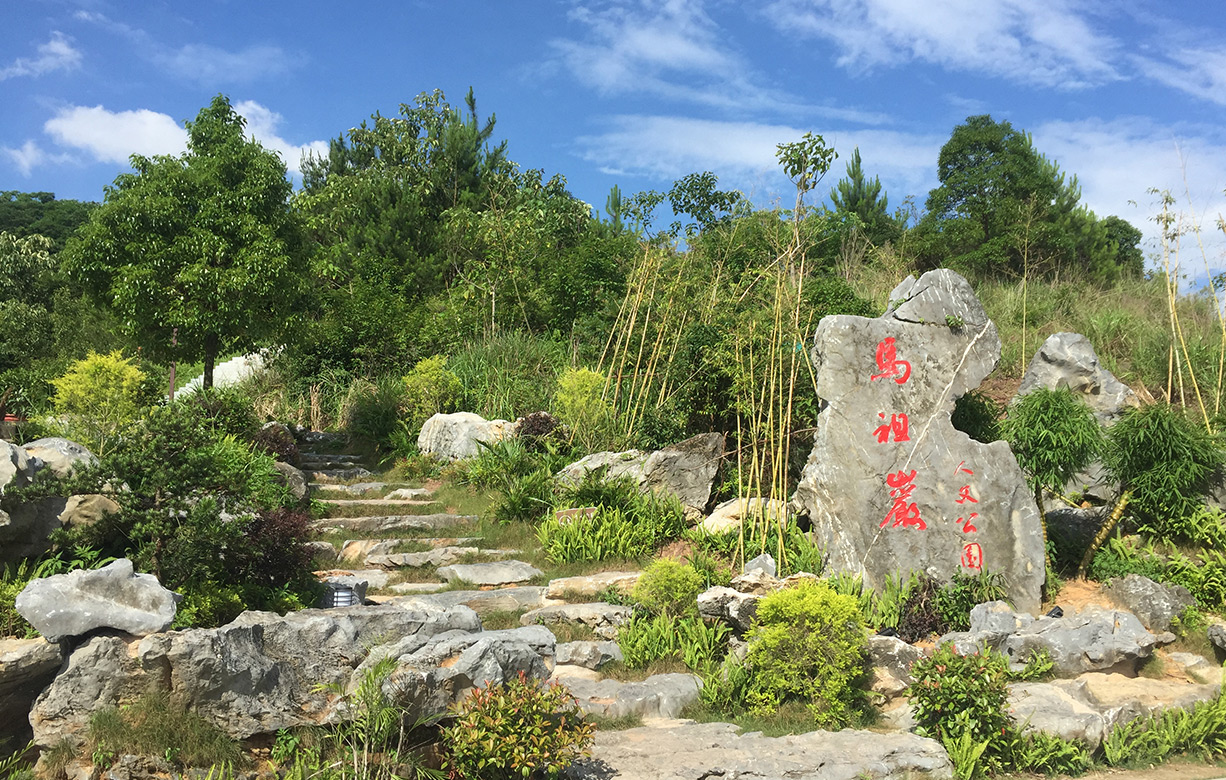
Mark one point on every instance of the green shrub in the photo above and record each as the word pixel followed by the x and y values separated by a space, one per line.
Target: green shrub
pixel 97 397
pixel 519 729
pixel 526 499
pixel 669 587
pixel 808 644
pixel 371 410
pixel 626 532
pixel 647 638
pixel 227 411
pixel 1054 435
pixel 959 698
pixel 581 408
pixel 978 416
pixel 962 593
pixel 509 375
pixel 430 389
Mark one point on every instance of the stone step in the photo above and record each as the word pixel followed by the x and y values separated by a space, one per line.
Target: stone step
pixel 329 438
pixel 360 549
pixel 367 488
pixel 483 602
pixel 603 619
pixel 325 464
pixel 593 584
pixel 340 457
pixel 326 476
pixel 385 502
pixel 440 556
pixel 500 573
pixel 661 695
pixel 381 523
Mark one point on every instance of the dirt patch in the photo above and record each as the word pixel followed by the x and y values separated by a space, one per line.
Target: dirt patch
pixel 1000 389
pixel 1172 771
pixel 679 550
pixel 1076 595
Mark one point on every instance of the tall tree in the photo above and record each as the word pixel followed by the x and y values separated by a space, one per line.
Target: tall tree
pixel 198 253
pixel 855 195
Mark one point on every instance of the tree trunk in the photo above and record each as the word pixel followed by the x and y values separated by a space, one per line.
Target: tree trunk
pixel 1100 537
pixel 210 359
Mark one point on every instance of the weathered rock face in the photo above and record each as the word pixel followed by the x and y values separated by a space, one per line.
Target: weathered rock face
pixel 1068 360
pixel 497 573
pixel 26 667
pixel 697 751
pixel 589 655
pixel 67 605
pixel 16 466
pixel 686 470
pixel 87 509
pixel 727 517
pixel 26 531
pixel 890 660
pixel 455 436
pixel 1091 640
pixel 659 696
pixel 294 480
pixel 1156 605
pixel 260 673
pixel 891 486
pixel 729 606
pixel 59 455
pixel 604 619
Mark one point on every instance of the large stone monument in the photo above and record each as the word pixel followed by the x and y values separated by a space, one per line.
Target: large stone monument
pixel 891 486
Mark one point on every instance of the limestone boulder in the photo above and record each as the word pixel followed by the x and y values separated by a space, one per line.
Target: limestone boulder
pixel 497 573
pixel 592 584
pixel 701 751
pixel 1157 605
pixel 890 660
pixel 891 487
pixel 260 673
pixel 1094 639
pixel 26 667
pixel 85 510
pixel 293 479
pixel 115 596
pixel 685 470
pixel 1068 360
pixel 1051 708
pixel 60 456
pixel 25 532
pixel 458 436
pixel 659 696
pixel 483 602
pixel 17 468
pixel 589 655
pixel 603 619
pixel 727 517
pixel 729 606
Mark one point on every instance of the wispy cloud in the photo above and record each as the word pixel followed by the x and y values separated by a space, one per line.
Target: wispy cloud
pixel 30 156
pixel 1049 44
pixel 1197 71
pixel 674 50
pixel 200 62
pixel 56 54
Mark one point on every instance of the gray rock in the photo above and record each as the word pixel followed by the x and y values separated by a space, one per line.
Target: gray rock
pixel 26 667
pixel 439 556
pixel 1068 360
pixel 323 551
pixel 260 673
pixel 26 531
pixel 659 696
pixel 377 524
pixel 483 602
pixel 756 581
pixel 727 517
pixel 295 480
pixel 407 494
pixel 1072 529
pixel 456 436
pixel 59 455
pixel 1157 605
pixel 1217 636
pixel 729 606
pixel 1121 699
pixel 764 563
pixel 1091 640
pixel 589 655
pixel 890 660
pixel 604 619
pixel 891 486
pixel 703 751
pixel 16 466
pixel 592 584
pixel 685 470
pixel 72 604
pixel 497 573
pixel 373 578
pixel 1051 708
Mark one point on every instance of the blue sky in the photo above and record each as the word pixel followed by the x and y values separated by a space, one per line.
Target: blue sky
pixel 639 94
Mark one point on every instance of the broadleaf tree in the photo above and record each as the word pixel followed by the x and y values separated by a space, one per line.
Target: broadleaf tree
pixel 198 253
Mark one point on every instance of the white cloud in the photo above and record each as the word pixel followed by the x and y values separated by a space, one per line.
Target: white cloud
pixel 674 50
pixel 1050 44
pixel 114 136
pixel 742 154
pixel 262 123
pixel 30 156
pixel 1117 161
pixel 55 54
pixel 1199 72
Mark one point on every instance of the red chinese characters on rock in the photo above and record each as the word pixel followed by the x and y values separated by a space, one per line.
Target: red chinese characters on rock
pixel 888 363
pixel 903 513
pixel 972 556
pixel 896 427
pixel 972 552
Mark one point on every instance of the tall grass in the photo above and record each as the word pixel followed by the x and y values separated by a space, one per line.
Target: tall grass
pixel 508 375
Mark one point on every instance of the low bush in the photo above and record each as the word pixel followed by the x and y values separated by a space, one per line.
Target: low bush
pixel 1199 732
pixel 519 729
pixel 429 389
pixel 808 644
pixel 97 397
pixel 647 638
pixel 958 698
pixel 669 587
pixel 583 410
pixel 962 593
pixel 613 532
pixel 277 442
pixel 371 409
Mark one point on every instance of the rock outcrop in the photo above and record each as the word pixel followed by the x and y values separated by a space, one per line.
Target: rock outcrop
pixel 1156 605
pixel 685 470
pixel 1068 360
pixel 458 436
pixel 60 456
pixel 891 487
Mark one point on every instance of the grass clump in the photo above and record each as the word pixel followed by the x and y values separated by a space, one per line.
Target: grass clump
pixel 157 725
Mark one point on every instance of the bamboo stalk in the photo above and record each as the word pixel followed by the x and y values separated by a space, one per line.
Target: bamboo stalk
pixel 1103 533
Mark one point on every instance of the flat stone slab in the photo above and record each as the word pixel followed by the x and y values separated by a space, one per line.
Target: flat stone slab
pixel 659 696
pixel 408 588
pixel 440 556
pixel 499 573
pixel 593 584
pixel 483 602
pixel 381 523
pixel 356 489
pixel 604 619
pixel 704 751
pixel 324 476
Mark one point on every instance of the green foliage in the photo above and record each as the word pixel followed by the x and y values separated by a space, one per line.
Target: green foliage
pixel 519 729
pixel 157 725
pixel 1054 435
pixel 919 616
pixel 963 592
pixel 430 389
pixel 806 161
pixel 1167 461
pixel 613 532
pixel 509 375
pixel 854 195
pixel 958 699
pixel 96 397
pixel 227 411
pixel 199 254
pixel 978 416
pixel 527 498
pixel 808 644
pixel 1199 732
pixel 582 408
pixel 372 409
pixel 647 638
pixel 669 587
